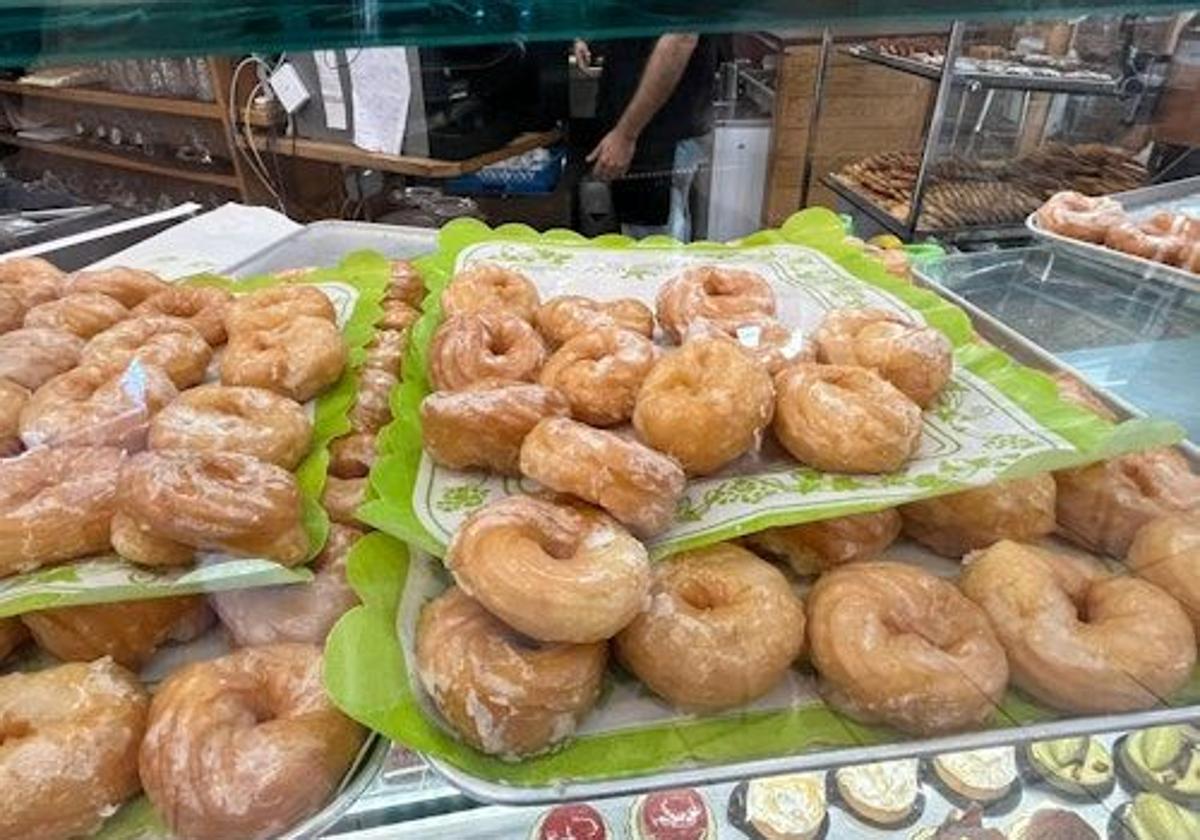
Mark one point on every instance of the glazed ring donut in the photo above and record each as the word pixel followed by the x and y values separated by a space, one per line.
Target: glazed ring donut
pixel 1166 552
pixel 12 635
pixel 204 307
pixel 1078 639
pixel 397 315
pixel 484 345
pixel 372 409
pixel 342 497
pixel 214 501
pixel 258 728
pixel 705 404
pixel 484 425
pixel 896 644
pixel 352 455
pixel 405 284
pixel 386 351
pixel 1145 240
pixel 12 311
pixel 13 399
pixel 561 319
pixel 30 357
pixel 129 631
pixel 728 297
pixel 306 612
pixel 721 629
pixel 84 314
pixel 1102 506
pixel 169 343
pixel 502 693
pixel 224 418
pixel 635 484
pixel 1021 509
pixel 600 372
pixel 299 359
pixel 31 279
pixel 85 717
pixel 556 573
pixel 276 305
pixel 772 344
pixel 128 286
pixel 1079 216
pixel 94 406
pixel 844 419
pixel 55 505
pixel 487 287
pixel 815 547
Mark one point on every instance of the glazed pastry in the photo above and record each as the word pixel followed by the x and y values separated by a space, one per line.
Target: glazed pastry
pixel 1077 638
pixel 884 793
pixel 790 807
pixel 1189 258
pixel 561 319
pixel 772 344
pixel 55 505
pixel 726 297
pixel 1153 817
pixel 599 372
pixel 896 644
pixel 30 357
pixel 705 404
pixel 203 307
pixel 70 743
pixel 1080 216
pixel 916 359
pixel 1021 509
pixel 405 284
pixel 129 631
pixel 487 287
pixel 1166 552
pixel 31 279
pixel 1052 824
pixel 372 409
pixel 257 727
pixel 13 399
pixel 635 484
pixel 12 635
pixel 577 821
pixel 815 547
pixel 84 314
pixel 214 501
pixel 169 343
pixel 224 418
pixel 276 306
pixel 303 612
pixel 679 814
pixel 1077 393
pixel 979 775
pixel 1149 239
pixel 484 424
pixel 386 351
pixel 1080 766
pixel 844 419
pixel 397 316
pixel 341 498
pixel 502 693
pixel 721 628
pixel 299 358
pixel 128 286
pixel 1163 760
pixel 12 312
pixel 484 345
pixel 352 455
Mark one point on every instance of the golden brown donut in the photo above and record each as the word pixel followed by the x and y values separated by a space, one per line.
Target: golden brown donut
pixel 916 359
pixel 898 645
pixel 129 631
pixel 169 343
pixel 772 344
pixel 70 738
pixel 815 547
pixel 277 305
pixel 1149 240
pixel 502 693
pixel 386 351
pixel 484 345
pixel 12 311
pixel 372 409
pixel 844 419
pixel 721 628
pixel 599 372
pixel 1189 257
pixel 94 406
pixel 303 612
pixel 634 483
pixel 299 358
pixel 31 279
pixel 29 357
pixel 562 318
pixel 485 424
pixel 727 297
pixel 226 418
pixel 204 307
pixel 258 729
pixel 1077 638
pixel 1021 509
pixel 1166 552
pixel 342 497
pixel 487 287
pixel 55 505
pixel 405 284
pixel 352 455
pixel 129 286
pixel 1077 393
pixel 555 572
pixel 13 399
pixel 397 315
pixel 12 635
pixel 1102 506
pixel 84 314
pixel 1079 216
pixel 214 501
pixel 705 404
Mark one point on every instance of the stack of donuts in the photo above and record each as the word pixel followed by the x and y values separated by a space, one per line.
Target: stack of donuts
pixel 1168 238
pixel 575 395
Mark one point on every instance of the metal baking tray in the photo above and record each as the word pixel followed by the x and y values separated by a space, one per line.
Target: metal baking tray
pixel 1182 196
pixel 322 244
pixel 367 767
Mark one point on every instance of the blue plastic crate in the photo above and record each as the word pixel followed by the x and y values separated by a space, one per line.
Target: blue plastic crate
pixel 497 180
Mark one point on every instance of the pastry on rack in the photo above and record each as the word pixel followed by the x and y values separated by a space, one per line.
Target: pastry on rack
pixel 1163 760
pixel 1080 766
pixel 128 286
pixel 353 455
pixel 1166 552
pixel 274 306
pixel 484 345
pixel 1020 509
pixel 788 807
pixel 169 343
pixel 884 793
pixel 577 821
pixel 562 318
pixel 488 287
pixel 84 314
pixel 203 307
pixel 815 547
pixel 668 814
pixel 1152 817
pixel 298 358
pixel 30 357
pixel 985 775
pixel 600 372
pixel 725 297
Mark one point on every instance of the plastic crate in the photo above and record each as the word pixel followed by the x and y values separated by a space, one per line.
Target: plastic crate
pixel 505 180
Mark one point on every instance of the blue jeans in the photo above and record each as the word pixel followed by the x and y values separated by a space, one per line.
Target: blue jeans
pixel 690 154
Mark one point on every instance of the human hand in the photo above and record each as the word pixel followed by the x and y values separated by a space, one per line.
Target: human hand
pixel 583 55
pixel 612 155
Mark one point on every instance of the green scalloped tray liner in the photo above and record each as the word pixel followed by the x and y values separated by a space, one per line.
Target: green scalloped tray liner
pixel 1028 428
pixel 108 579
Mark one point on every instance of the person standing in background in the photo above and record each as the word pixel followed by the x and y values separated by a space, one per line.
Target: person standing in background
pixel 655 99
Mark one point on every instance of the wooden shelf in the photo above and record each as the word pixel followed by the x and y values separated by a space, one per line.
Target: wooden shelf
pixel 193 108
pixel 347 155
pixel 67 148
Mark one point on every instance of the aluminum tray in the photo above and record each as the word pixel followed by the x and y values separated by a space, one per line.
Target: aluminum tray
pixel 1181 196
pixel 322 244
pixel 366 769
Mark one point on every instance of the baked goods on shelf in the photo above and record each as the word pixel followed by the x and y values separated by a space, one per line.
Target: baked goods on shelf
pixel 484 345
pixel 170 343
pixel 32 280
pixel 985 775
pixel 578 821
pixel 341 498
pixel 600 372
pixel 84 314
pixel 562 318
pixel 1151 816
pixel 274 306
pixel 1163 760
pixel 372 409
pixel 1020 509
pixel 1080 766
pixel 487 287
pixel 771 343
pixel 785 807
pixel 128 286
pixel 352 455
pixel 30 357
pixel 1166 552
pixel 815 547
pixel 884 793
pixel 725 297
pixel 297 357
pixel 203 307
pixel 1079 216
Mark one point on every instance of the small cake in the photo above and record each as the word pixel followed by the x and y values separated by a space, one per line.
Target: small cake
pixel 1163 760
pixel 884 793
pixel 1080 766
pixel 578 821
pixel 1153 817
pixel 1052 824
pixel 680 814
pixel 983 776
pixel 790 807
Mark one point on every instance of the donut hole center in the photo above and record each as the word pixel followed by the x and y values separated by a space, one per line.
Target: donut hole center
pixel 499 343
pixel 703 595
pixel 14 729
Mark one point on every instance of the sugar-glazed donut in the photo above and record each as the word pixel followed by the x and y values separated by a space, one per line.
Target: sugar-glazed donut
pixel 487 287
